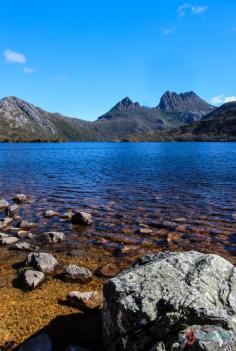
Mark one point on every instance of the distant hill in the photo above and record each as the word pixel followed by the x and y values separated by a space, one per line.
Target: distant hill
pixel 219 125
pixel 22 121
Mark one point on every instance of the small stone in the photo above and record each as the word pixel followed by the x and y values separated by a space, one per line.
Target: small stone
pixel 3 281
pixel 23 246
pixel 76 274
pixel 109 270
pixel 50 213
pixel 26 225
pixel 85 300
pixel 3 235
pixel 11 210
pixel 41 261
pixel 3 204
pixel 82 218
pixel 67 216
pixel 145 231
pixel 5 222
pixel 52 237
pixel 8 240
pixel 31 279
pixel 20 198
pixel 38 343
pixel 22 234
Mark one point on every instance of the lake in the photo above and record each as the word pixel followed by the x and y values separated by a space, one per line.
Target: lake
pixel 142 196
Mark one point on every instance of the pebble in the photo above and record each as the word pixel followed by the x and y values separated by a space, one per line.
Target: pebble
pixel 81 218
pixel 31 279
pixel 85 300
pixel 76 274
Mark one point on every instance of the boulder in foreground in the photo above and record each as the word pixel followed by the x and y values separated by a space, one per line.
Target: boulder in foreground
pixel 168 300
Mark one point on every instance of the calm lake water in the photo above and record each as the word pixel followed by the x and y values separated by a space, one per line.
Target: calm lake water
pixel 184 192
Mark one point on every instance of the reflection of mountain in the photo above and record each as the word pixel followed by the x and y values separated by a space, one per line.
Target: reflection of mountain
pixel 22 121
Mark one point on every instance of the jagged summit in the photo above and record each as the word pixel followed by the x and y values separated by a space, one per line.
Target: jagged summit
pixel 184 102
pixel 127 103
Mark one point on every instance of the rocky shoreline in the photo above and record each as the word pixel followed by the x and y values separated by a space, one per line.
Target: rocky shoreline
pixel 164 301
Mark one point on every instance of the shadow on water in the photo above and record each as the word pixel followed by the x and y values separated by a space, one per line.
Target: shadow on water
pixel 81 329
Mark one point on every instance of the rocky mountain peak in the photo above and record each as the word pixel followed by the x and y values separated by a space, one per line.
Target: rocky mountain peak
pixel 127 103
pixel 185 102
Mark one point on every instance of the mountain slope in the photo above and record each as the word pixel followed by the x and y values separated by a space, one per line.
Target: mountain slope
pixel 189 104
pixel 219 125
pixel 22 121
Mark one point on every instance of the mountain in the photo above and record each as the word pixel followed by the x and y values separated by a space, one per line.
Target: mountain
pixel 219 125
pixel 189 104
pixel 22 121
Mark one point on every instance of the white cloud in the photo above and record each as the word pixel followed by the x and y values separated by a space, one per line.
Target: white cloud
pixel 14 57
pixel 189 9
pixel 29 70
pixel 168 30
pixel 222 99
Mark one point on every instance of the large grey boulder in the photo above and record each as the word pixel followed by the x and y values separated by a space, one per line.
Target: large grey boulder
pixel 38 343
pixel 42 262
pixel 163 295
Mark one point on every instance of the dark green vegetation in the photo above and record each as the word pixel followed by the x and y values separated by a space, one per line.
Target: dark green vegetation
pixel 177 117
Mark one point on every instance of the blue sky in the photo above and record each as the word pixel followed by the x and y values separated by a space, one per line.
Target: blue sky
pixel 80 57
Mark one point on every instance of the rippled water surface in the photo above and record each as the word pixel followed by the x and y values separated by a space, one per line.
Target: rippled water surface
pixel 183 193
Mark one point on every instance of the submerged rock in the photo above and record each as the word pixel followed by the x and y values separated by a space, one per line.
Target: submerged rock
pixel 41 261
pixel 3 204
pixel 52 237
pixel 20 198
pixel 76 274
pixel 5 222
pixel 108 270
pixel 50 213
pixel 31 279
pixel 38 343
pixel 11 210
pixel 67 216
pixel 23 246
pixel 26 225
pixel 85 300
pixel 81 218
pixel 163 294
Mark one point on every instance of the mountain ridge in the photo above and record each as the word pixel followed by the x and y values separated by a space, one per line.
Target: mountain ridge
pixel 22 121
